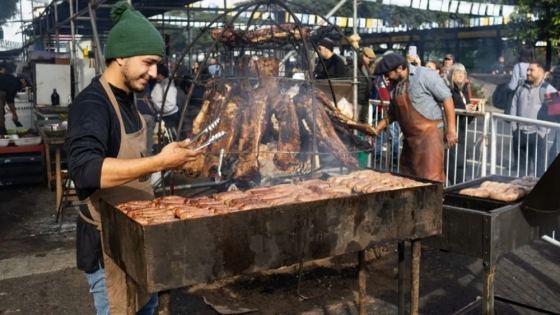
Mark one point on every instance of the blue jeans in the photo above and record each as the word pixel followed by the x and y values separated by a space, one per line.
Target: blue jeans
pixel 98 288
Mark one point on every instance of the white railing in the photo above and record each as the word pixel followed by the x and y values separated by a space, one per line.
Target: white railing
pixel 487 145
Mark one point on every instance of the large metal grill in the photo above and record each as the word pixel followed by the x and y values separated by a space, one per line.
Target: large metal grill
pixel 486 228
pixel 182 253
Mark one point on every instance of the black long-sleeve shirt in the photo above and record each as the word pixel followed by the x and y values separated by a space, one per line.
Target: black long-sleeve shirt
pixel 11 85
pixel 335 68
pixel 94 134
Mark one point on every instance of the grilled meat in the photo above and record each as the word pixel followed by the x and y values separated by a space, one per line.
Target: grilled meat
pixel 288 136
pixel 326 136
pixel 254 122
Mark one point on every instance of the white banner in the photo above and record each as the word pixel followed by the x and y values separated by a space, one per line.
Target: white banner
pixel 507 10
pixel 497 9
pixel 475 7
pixel 490 9
pixel 435 5
pixel 482 9
pixel 453 7
pixel 416 4
pixel 464 7
pixel 424 4
pixel 445 6
pixel 403 3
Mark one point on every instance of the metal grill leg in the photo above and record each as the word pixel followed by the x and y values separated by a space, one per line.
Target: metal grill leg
pixel 415 277
pixel 401 277
pixel 362 277
pixel 488 272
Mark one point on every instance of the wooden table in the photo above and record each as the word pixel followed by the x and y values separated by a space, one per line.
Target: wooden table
pixel 56 143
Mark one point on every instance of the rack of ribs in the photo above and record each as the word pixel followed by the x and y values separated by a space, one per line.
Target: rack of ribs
pixel 288 135
pixel 254 122
pixel 326 136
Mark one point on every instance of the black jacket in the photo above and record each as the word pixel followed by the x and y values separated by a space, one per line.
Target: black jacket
pixel 335 68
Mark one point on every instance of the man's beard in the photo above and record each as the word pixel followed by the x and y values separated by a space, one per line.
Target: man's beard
pixel 128 80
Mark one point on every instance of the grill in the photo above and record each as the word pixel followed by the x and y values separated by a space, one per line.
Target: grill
pixel 487 229
pixel 182 253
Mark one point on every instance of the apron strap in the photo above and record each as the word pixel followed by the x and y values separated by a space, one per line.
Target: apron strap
pixel 88 220
pixel 114 102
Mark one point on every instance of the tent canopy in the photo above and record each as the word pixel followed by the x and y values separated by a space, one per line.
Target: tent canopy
pixel 46 22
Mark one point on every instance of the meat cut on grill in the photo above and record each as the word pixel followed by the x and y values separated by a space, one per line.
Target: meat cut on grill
pixel 508 192
pixel 271 116
pixel 264 34
pixel 172 208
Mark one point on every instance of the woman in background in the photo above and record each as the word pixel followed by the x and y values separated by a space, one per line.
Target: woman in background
pixel 457 79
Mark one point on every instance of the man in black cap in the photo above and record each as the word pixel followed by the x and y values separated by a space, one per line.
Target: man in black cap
pixel 329 65
pixel 416 95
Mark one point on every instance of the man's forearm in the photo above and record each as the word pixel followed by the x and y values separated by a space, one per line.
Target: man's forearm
pixel 12 107
pixel 449 110
pixel 116 172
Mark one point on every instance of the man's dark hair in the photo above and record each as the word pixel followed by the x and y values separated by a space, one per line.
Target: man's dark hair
pixel 162 69
pixel 527 54
pixel 108 61
pixel 539 65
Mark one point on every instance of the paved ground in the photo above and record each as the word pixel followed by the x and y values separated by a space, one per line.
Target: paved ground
pixel 37 274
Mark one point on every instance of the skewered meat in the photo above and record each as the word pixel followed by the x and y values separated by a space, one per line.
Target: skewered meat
pixel 262 34
pixel 288 137
pixel 211 109
pixel 337 117
pixel 253 125
pixel 229 120
pixel 326 135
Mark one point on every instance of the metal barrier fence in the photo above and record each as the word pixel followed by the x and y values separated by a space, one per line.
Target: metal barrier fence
pixel 487 145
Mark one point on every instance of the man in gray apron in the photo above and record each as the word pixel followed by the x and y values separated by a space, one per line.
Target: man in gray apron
pixel 106 144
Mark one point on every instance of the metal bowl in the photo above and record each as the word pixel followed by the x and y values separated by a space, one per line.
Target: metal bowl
pixel 54 130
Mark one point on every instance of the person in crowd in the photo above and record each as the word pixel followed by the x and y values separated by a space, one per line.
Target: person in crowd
pixel 105 145
pixel 434 65
pixel 9 86
pixel 448 61
pixel 519 72
pixel 194 68
pixel 416 94
pixel 329 65
pixel 364 81
pixel 499 66
pixel 461 100
pixel 527 102
pixel 215 69
pixel 170 109
pixel 148 111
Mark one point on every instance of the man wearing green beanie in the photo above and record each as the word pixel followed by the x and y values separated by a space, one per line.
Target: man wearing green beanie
pixel 105 145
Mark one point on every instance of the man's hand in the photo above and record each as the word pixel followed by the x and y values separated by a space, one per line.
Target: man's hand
pixel 176 154
pixel 470 107
pixel 451 137
pixel 14 117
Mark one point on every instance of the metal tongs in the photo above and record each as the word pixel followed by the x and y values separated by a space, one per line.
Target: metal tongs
pixel 206 129
pixel 212 139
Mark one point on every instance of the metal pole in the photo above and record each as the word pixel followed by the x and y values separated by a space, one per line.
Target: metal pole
pixel 401 265
pixel 56 27
pixel 362 277
pixel 73 50
pixel 331 12
pixel 98 53
pixel 415 277
pixel 355 67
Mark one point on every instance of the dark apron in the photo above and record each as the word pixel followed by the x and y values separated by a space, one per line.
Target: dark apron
pixel 132 147
pixel 422 153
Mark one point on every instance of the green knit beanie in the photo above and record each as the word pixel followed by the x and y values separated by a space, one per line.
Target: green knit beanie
pixel 132 35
